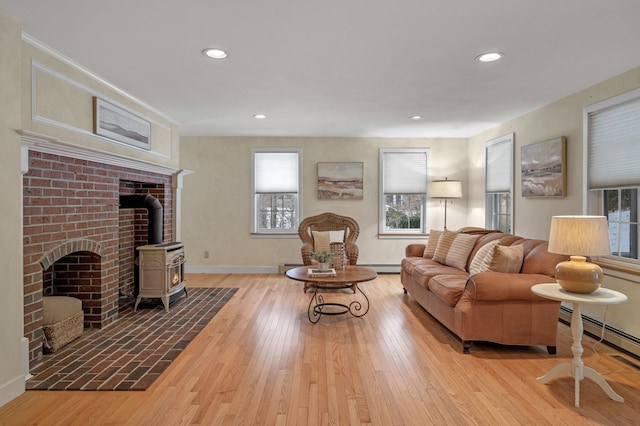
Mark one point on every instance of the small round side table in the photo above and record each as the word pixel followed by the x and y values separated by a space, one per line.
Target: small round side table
pixel 602 296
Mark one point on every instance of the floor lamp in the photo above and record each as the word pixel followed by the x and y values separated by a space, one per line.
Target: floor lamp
pixel 446 190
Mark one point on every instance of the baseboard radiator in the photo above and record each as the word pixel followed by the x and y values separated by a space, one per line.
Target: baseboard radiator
pixel 612 335
pixel 379 268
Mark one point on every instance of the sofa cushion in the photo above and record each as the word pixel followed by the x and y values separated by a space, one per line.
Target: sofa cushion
pixel 409 263
pixel 432 243
pixel 507 258
pixel 424 269
pixel 482 259
pixel 539 261
pixel 448 288
pixel 453 249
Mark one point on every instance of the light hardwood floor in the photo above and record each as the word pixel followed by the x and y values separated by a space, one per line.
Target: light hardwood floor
pixel 260 361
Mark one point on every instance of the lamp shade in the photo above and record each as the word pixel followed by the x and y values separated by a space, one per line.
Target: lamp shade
pixel 579 235
pixel 446 189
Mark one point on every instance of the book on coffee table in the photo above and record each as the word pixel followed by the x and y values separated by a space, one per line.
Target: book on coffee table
pixel 318 273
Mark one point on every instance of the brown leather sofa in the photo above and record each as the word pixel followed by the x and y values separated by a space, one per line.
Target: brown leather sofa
pixel 487 306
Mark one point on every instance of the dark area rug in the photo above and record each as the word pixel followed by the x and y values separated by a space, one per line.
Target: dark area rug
pixel 131 353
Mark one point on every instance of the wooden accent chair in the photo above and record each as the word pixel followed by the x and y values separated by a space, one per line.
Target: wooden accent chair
pixel 329 222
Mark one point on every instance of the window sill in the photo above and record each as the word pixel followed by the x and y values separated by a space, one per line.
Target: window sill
pixel 274 235
pixel 390 236
pixel 619 269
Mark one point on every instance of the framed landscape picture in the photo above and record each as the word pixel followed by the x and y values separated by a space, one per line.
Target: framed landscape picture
pixel 543 168
pixel 340 181
pixel 118 124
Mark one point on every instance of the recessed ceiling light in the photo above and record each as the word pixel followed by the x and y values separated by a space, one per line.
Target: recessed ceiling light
pixel 259 116
pixel 215 53
pixel 490 57
pixel 416 117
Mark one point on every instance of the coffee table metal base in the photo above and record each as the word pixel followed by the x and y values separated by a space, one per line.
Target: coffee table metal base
pixel 318 307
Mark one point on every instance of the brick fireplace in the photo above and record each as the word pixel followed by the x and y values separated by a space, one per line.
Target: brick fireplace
pixel 78 241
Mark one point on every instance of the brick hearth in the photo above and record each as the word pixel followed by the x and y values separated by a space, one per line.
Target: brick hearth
pixel 75 231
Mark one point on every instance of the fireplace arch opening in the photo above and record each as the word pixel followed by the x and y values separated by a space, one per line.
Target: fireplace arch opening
pixel 75 268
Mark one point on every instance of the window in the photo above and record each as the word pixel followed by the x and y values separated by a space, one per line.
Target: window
pixel 276 191
pixel 612 138
pixel 621 209
pixel 403 183
pixel 499 184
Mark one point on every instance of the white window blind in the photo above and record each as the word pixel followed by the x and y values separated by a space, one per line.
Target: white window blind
pixel 405 172
pixel 614 146
pixel 276 172
pixel 499 165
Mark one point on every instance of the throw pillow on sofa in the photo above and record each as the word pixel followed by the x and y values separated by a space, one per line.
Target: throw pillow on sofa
pixel 453 249
pixel 432 243
pixel 507 258
pixel 482 259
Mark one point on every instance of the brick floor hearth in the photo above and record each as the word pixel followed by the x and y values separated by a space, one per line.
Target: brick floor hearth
pixel 131 353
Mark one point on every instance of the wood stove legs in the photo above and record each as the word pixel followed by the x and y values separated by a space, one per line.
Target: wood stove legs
pixel 165 300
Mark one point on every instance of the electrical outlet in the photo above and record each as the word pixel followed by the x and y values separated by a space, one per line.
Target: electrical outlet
pixel 206 254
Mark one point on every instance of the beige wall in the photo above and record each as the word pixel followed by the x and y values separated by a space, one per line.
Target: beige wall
pixel 217 198
pixel 532 216
pixel 11 330
pixel 57 101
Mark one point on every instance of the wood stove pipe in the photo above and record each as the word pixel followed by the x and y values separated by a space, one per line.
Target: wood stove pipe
pixel 154 209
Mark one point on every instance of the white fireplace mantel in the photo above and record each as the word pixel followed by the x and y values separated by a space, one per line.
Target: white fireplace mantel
pixel 41 143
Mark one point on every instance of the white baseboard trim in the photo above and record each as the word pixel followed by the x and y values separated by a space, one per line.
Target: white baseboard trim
pixel 12 389
pixel 25 358
pixel 279 269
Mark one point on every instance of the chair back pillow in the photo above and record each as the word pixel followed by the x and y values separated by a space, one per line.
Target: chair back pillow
pixel 322 239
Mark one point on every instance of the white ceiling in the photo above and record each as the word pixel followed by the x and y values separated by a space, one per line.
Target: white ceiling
pixel 341 67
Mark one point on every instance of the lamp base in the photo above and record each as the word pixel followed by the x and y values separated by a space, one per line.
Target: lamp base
pixel 578 275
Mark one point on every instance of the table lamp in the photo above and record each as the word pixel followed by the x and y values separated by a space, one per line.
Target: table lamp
pixel 579 236
pixel 446 190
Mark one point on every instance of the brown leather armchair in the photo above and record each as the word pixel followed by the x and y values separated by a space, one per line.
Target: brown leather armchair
pixel 329 222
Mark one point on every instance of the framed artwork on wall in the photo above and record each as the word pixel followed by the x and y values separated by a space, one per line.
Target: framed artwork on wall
pixel 119 124
pixel 340 181
pixel 543 168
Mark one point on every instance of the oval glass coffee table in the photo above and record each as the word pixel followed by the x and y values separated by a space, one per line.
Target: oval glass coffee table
pixel 349 277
